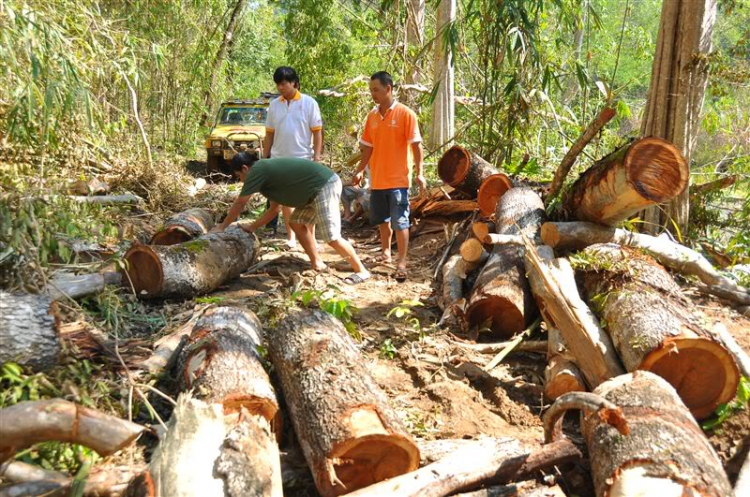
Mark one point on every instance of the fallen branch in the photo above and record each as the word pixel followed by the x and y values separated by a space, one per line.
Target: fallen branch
pixel 539 346
pixel 587 402
pixel 75 287
pixel 712 186
pixel 512 344
pixel 33 480
pixel 167 347
pixel 495 239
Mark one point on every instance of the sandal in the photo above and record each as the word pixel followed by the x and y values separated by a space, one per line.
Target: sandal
pixel 355 279
pixel 400 275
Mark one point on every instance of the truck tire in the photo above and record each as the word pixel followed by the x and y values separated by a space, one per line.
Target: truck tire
pixel 213 165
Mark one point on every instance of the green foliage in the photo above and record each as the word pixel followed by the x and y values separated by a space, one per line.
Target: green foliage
pixel 725 411
pixel 209 300
pixel 330 301
pixel 387 349
pixel 405 312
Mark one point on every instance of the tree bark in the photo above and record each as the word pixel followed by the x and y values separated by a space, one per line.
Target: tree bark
pixel 443 107
pixel 167 346
pixel 464 170
pixel 190 268
pixel 490 192
pixel 473 252
pixel 350 435
pixel 639 463
pixel 32 480
pixel 29 330
pixel 644 172
pixel 452 284
pixel 679 77
pixel 79 286
pixel 501 293
pixel 561 374
pixel 184 226
pixel 26 423
pixel 653 329
pixel 415 10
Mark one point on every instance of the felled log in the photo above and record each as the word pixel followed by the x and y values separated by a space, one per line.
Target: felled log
pixel 495 239
pixel 653 329
pixel 33 480
pixel 490 192
pixel 484 462
pixel 168 346
pixel 221 363
pixel 29 330
pixel 640 463
pixel 645 172
pixel 578 235
pixel 191 268
pixel 452 284
pixel 107 199
pixel 553 284
pixel 501 294
pixel 473 254
pixel 205 453
pixel 350 435
pixel 449 208
pixel 78 286
pixel 184 226
pixel 480 229
pixel 26 423
pixel 464 170
pixel 561 375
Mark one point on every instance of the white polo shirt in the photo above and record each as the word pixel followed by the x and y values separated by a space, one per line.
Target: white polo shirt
pixel 292 123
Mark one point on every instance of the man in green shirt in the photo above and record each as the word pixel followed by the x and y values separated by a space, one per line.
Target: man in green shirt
pixel 312 189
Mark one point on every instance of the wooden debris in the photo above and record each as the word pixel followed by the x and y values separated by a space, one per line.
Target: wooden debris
pixel 639 463
pixel 191 268
pixel 653 329
pixel 167 346
pixel 184 226
pixel 350 435
pixel 561 375
pixel 452 285
pixel 712 186
pixel 107 199
pixel 29 330
pixel 32 480
pixel 75 287
pixel 464 170
pixel 481 229
pixel 644 172
pixel 26 423
pixel 495 239
pixel 490 192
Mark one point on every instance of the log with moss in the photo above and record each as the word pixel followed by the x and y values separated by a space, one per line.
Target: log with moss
pixel 184 226
pixel 464 170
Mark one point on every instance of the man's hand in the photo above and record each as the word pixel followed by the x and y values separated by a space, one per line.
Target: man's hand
pixel 318 158
pixel 248 228
pixel 219 228
pixel 357 178
pixel 422 183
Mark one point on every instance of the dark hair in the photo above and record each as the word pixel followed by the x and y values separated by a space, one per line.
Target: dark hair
pixel 285 73
pixel 384 78
pixel 242 159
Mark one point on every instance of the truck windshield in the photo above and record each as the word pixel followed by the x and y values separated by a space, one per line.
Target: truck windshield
pixel 243 116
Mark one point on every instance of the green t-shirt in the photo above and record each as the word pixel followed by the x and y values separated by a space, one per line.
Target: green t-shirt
pixel 288 181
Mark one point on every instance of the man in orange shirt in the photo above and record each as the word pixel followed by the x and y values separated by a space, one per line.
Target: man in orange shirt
pixel 390 131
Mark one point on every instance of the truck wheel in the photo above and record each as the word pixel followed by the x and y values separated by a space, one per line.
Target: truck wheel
pixel 213 165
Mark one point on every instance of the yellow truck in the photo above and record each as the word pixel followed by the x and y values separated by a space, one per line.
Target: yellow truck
pixel 239 126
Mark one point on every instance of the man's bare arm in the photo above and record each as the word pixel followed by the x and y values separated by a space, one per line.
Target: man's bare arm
pixel 317 145
pixel 267 144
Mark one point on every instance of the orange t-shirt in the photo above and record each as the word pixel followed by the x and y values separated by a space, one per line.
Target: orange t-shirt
pixel 390 137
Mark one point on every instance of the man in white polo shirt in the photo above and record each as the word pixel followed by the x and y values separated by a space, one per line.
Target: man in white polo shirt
pixel 294 128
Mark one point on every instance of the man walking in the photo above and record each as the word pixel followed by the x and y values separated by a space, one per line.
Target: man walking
pixel 391 132
pixel 312 189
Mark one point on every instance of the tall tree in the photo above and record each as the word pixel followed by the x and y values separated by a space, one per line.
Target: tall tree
pixel 414 39
pixel 443 111
pixel 678 83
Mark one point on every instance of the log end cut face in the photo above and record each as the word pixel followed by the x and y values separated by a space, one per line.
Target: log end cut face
pixel 171 236
pixel 454 165
pixel 503 316
pixel 490 192
pixel 656 169
pixel 144 270
pixel 703 373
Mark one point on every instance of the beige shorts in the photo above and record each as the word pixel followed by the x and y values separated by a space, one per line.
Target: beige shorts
pixel 323 211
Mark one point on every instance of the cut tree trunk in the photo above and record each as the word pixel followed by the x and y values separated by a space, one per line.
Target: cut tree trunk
pixel 654 329
pixel 561 374
pixel 473 253
pixel 452 284
pixel 480 229
pixel 553 284
pixel 183 227
pixel 644 172
pixel 29 330
pixel 464 170
pixel 191 268
pixel 639 463
pixel 350 435
pixel 578 235
pixel 75 287
pixel 221 363
pixel 26 423
pixel 490 192
pixel 501 294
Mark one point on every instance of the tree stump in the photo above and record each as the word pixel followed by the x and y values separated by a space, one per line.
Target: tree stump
pixel 490 192
pixel 350 435
pixel 644 172
pixel 464 170
pixel 653 328
pixel 666 452
pixel 29 330
pixel 191 268
pixel 184 226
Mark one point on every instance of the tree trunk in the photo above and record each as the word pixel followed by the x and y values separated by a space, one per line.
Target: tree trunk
pixel 29 330
pixel 452 284
pixel 501 293
pixel 644 172
pixel 415 10
pixel 27 423
pixel 183 227
pixel 75 287
pixel 490 192
pixel 679 77
pixel 190 268
pixel 481 229
pixel 221 363
pixel 561 374
pixel 169 346
pixel 473 253
pixel 350 435
pixel 653 329
pixel 463 170
pixel 443 108
pixel 226 42
pixel 639 463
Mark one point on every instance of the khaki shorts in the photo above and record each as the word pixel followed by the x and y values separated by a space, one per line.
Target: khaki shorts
pixel 323 211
